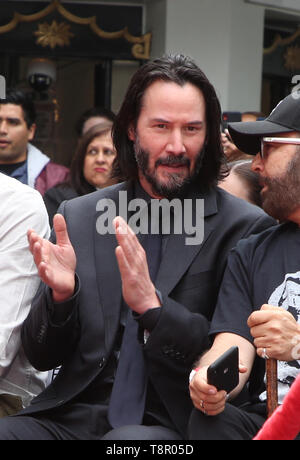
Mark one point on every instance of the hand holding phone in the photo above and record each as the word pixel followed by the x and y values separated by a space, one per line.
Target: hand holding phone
pixel 224 372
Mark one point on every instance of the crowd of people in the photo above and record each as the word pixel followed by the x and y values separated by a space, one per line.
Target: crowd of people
pixel 133 319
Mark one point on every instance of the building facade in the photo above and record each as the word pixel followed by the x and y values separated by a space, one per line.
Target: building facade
pixel 249 49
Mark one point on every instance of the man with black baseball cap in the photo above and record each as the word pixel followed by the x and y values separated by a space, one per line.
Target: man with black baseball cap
pixel 285 118
pixel 259 302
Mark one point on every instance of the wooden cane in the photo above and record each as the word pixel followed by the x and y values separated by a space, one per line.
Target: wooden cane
pixel 272 389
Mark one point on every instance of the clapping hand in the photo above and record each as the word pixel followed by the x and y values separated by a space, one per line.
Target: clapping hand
pixel 56 263
pixel 137 287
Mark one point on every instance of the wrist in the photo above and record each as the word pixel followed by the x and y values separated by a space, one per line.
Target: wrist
pixel 153 301
pixel 193 373
pixel 62 296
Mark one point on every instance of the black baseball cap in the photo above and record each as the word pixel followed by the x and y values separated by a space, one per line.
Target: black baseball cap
pixel 285 118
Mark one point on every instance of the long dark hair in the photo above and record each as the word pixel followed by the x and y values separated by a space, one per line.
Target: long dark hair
pixel 77 179
pixel 178 69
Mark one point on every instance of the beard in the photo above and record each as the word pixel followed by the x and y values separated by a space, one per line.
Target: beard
pixel 282 196
pixel 175 184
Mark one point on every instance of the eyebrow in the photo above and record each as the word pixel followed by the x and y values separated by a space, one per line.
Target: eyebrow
pixel 192 122
pixel 10 118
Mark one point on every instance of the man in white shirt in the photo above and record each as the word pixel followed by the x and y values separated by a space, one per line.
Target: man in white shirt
pixel 21 208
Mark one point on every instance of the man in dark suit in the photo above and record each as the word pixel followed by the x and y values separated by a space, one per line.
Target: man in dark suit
pixel 100 279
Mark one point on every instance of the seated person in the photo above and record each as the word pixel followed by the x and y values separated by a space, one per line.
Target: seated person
pixel 138 305
pixel 258 308
pixel 91 168
pixel 20 209
pixel 242 182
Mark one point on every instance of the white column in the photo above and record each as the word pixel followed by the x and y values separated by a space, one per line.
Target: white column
pixel 225 37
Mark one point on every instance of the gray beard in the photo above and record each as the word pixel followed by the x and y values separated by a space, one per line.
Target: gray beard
pixel 176 186
pixel 283 195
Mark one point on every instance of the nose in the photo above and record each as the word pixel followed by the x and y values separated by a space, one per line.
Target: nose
pixel 3 127
pixel 257 163
pixel 100 158
pixel 175 143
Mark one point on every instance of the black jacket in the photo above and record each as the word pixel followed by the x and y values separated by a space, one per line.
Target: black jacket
pixel 55 196
pixel 189 279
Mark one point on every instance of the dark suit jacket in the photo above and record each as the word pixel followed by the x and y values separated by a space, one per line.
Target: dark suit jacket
pixel 189 278
pixel 55 196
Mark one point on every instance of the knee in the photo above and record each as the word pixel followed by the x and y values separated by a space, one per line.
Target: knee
pixel 128 432
pixel 200 425
pixel 7 429
pixel 141 433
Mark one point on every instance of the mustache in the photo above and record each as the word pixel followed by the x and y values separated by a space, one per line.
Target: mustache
pixel 170 160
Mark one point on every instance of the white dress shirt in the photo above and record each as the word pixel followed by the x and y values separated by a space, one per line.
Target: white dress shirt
pixel 21 208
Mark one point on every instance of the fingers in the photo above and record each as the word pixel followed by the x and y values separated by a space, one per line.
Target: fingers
pixel 60 228
pixel 40 248
pixel 35 246
pixel 267 318
pixel 124 267
pixel 209 404
pixel 228 135
pixel 259 323
pixel 212 408
pixel 121 226
pixel 273 330
pixel 43 272
pixel 32 237
pixel 37 250
pixel 264 352
pixel 123 231
pixel 205 397
pixel 223 138
pixel 261 316
pixel 242 369
pixel 131 247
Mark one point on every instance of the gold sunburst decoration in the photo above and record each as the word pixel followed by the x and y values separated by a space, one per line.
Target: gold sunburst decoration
pixel 292 58
pixel 140 44
pixel 53 34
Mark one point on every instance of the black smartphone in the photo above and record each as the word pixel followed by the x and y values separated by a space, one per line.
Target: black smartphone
pixel 224 372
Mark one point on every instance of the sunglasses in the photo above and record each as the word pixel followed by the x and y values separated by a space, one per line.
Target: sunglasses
pixel 265 141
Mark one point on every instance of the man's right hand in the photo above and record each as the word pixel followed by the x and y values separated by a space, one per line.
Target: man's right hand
pixel 56 263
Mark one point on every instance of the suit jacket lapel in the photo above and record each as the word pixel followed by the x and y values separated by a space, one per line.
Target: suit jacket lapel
pixel 107 270
pixel 178 255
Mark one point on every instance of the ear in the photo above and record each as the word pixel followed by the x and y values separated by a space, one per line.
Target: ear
pixel 31 132
pixel 131 133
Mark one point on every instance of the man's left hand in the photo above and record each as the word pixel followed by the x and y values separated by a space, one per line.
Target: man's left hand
pixel 137 287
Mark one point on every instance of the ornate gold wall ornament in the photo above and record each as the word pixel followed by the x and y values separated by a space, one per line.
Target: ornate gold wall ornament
pixel 292 58
pixel 279 41
pixel 141 44
pixel 53 34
